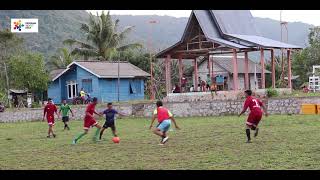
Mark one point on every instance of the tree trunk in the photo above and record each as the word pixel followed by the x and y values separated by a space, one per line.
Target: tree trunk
pixel 7 83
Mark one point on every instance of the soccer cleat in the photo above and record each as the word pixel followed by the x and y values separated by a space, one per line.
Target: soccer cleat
pixel 48 136
pixel 54 135
pixel 74 141
pixel 248 141
pixel 95 139
pixel 256 133
pixel 164 140
pixel 161 144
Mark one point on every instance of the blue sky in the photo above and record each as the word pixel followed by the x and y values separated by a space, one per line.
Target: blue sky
pixel 306 16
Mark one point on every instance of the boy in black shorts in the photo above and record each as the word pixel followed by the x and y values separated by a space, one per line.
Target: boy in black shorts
pixel 65 108
pixel 110 118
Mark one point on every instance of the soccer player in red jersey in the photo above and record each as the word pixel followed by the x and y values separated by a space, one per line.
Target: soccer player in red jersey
pixel 164 117
pixel 255 114
pixel 89 121
pixel 49 110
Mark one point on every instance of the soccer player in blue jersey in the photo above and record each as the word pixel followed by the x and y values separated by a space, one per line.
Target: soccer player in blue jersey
pixel 110 120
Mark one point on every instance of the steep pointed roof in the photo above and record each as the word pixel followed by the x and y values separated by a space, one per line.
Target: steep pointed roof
pixel 234 29
pixel 235 22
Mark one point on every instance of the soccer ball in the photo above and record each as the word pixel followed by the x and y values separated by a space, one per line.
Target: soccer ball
pixel 116 139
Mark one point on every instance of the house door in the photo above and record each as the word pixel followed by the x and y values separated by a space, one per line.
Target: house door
pixel 72 89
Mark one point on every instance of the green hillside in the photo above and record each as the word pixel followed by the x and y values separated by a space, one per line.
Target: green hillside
pixel 58 25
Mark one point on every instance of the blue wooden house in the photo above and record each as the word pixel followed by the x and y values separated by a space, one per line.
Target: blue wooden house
pixel 99 79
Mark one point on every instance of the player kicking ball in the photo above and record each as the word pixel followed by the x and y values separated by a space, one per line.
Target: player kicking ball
pixel 65 108
pixel 89 121
pixel 164 117
pixel 110 120
pixel 49 110
pixel 255 114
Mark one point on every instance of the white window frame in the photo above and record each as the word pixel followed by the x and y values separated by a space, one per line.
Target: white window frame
pixel 73 85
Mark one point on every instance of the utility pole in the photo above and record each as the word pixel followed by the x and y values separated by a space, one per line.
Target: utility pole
pixel 152 96
pixel 284 38
pixel 118 80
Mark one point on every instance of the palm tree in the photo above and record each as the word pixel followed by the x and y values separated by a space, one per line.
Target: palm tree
pixel 61 60
pixel 104 39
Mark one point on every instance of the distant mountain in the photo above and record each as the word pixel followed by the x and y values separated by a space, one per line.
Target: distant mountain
pixel 56 26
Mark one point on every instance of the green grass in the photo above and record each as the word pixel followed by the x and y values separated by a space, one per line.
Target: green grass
pixel 284 142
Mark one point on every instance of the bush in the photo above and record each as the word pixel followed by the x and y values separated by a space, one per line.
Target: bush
pixel 272 92
pixel 35 105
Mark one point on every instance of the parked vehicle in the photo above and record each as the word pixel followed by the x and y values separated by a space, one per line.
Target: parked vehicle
pixel 79 100
pixel 1 107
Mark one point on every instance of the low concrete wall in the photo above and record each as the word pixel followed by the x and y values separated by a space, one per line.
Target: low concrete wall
pixel 206 107
pixel 221 95
pixel 37 114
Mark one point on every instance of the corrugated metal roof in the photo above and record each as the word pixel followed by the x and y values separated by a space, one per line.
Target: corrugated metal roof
pixel 229 43
pixel 105 69
pixel 265 42
pixel 55 73
pixel 235 22
pixel 110 69
pixel 18 91
pixel 226 63
pixel 225 26
pixel 207 24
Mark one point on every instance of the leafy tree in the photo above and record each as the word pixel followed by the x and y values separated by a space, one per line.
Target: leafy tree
pixel 9 44
pixel 61 60
pixel 104 39
pixel 305 59
pixel 28 71
pixel 278 70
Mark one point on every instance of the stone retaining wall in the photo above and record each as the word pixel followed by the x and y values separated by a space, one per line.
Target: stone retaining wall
pixel 206 107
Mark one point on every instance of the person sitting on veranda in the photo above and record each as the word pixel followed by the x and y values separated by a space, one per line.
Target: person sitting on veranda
pixel 191 88
pixel 183 83
pixel 305 89
pixel 213 88
pixel 177 89
pixel 83 95
pixel 203 86
pixel 208 82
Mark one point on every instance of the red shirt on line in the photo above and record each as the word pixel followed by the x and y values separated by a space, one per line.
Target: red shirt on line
pixel 162 114
pixel 90 109
pixel 50 109
pixel 254 104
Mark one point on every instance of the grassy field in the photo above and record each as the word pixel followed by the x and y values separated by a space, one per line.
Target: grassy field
pixel 284 142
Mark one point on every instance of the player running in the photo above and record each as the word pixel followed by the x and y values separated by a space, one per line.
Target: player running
pixel 164 117
pixel 255 114
pixel 89 121
pixel 65 108
pixel 110 120
pixel 49 110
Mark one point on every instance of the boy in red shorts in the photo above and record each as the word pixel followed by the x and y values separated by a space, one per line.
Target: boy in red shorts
pixel 49 110
pixel 255 114
pixel 89 121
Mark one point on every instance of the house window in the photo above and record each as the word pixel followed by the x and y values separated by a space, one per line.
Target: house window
pixel 132 88
pixel 72 89
pixel 137 83
pixel 87 85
